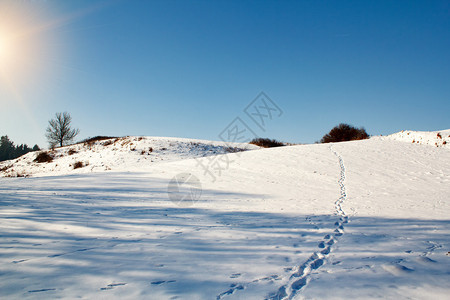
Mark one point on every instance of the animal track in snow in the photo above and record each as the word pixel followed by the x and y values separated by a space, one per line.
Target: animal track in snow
pixel 431 248
pixel 236 287
pixel 71 252
pixel 112 285
pixel 41 290
pixel 162 281
pixel 233 288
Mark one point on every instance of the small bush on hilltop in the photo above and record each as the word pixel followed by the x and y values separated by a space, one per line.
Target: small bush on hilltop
pixel 72 151
pixel 344 132
pixel 233 149
pixel 97 138
pixel 266 143
pixel 78 165
pixel 43 157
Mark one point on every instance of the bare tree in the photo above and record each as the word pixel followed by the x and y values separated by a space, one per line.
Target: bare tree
pixel 59 130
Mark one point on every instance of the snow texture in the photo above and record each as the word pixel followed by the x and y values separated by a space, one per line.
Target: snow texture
pixel 364 219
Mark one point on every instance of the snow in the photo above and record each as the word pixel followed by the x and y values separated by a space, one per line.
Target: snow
pixel 433 138
pixel 364 219
pixel 117 154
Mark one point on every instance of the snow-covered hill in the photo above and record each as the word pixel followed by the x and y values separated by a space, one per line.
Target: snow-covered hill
pixel 117 154
pixel 142 153
pixel 364 219
pixel 433 138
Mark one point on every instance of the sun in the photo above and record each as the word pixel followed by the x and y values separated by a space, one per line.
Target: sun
pixel 22 46
pixel 34 45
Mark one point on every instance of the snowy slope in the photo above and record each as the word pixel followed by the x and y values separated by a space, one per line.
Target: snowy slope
pixel 365 219
pixel 433 138
pixel 118 154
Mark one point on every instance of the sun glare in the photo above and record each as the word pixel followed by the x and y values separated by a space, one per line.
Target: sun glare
pixel 32 45
pixel 4 50
pixel 23 51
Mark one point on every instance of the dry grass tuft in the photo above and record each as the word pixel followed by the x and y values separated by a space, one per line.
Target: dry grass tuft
pixel 43 157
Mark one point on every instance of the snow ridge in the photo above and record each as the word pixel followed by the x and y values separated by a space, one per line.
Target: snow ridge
pixel 439 139
pixel 301 278
pixel 132 153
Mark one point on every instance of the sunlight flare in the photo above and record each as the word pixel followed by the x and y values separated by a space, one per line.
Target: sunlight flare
pixel 2 48
pixel 32 45
pixel 21 56
pixel 5 50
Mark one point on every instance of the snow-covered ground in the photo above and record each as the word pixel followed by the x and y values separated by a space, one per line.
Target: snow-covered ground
pixel 364 219
pixel 433 138
pixel 116 154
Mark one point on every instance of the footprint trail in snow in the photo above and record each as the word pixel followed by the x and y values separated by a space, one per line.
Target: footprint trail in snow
pixel 300 277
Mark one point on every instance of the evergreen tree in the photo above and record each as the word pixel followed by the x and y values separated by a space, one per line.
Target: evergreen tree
pixel 9 151
pixel 6 148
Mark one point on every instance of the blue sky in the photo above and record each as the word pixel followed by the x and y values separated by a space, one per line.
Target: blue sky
pixel 188 68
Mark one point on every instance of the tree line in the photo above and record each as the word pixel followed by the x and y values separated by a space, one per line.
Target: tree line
pixel 9 151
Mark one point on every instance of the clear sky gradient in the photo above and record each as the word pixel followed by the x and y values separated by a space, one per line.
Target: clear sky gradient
pixel 188 68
